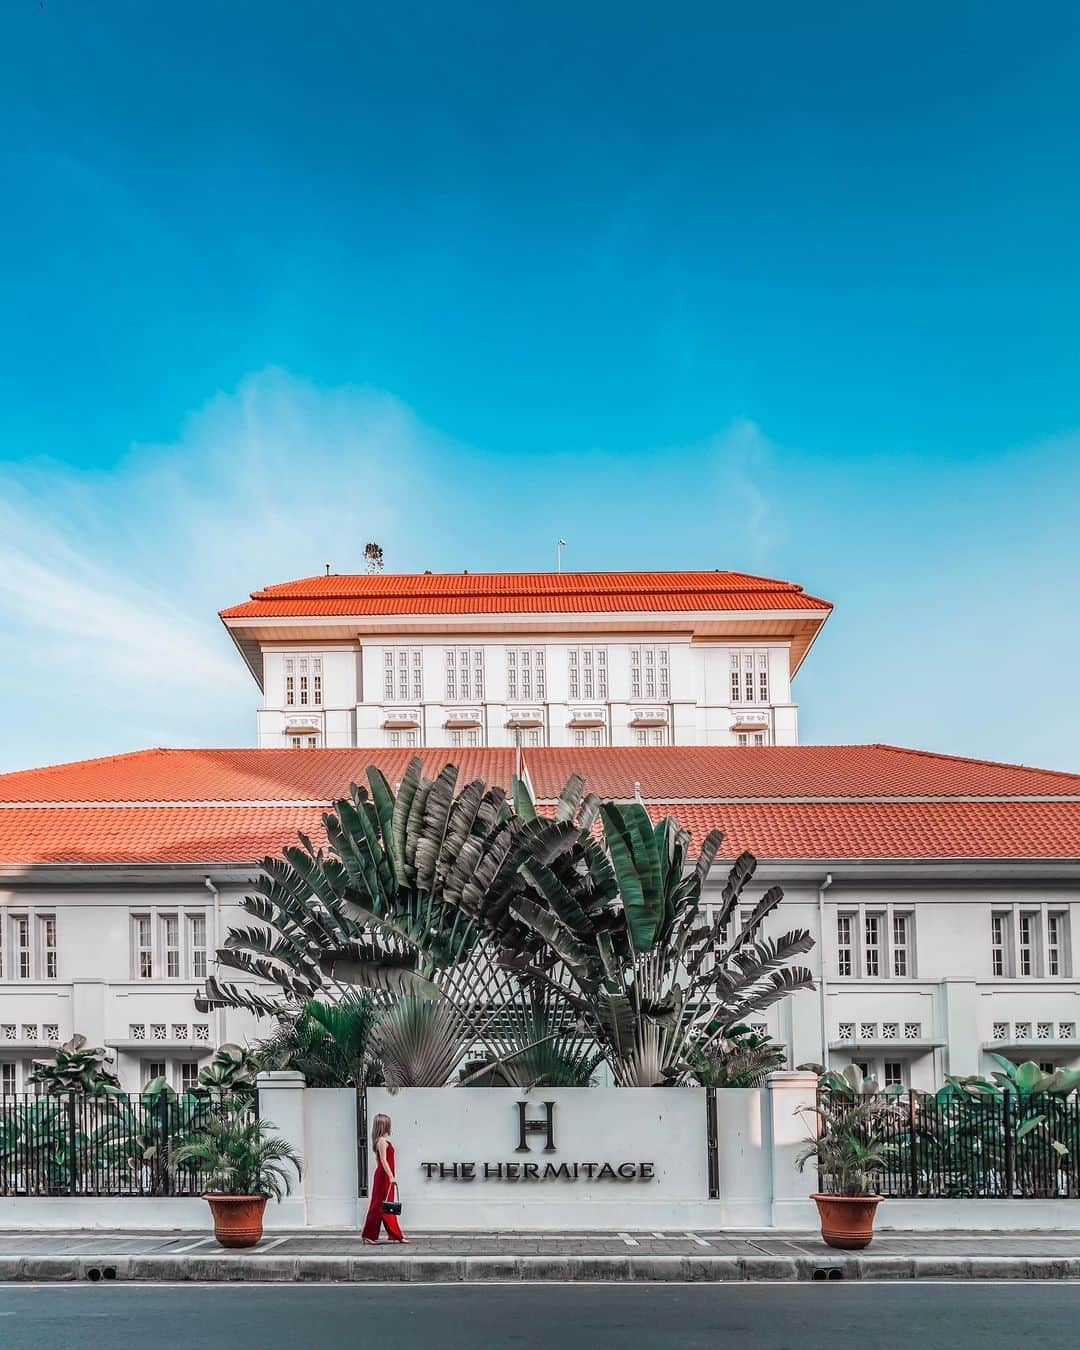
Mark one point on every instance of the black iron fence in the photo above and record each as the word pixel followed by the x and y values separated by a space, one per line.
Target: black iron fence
pixel 111 1145
pixel 982 1148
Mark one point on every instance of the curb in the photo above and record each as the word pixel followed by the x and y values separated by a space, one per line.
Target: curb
pixel 236 1268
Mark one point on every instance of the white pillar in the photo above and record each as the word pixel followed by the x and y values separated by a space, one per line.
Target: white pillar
pixel 788 1132
pixel 281 1103
pixel 962 1054
pixel 330 1172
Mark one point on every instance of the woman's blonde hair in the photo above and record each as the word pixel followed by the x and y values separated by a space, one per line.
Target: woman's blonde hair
pixel 379 1126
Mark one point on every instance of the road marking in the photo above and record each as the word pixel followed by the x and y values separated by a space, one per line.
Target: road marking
pixel 269 1246
pixel 694 1238
pixel 630 1242
pixel 189 1247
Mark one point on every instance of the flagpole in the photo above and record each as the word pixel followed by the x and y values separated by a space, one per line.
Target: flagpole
pixel 517 751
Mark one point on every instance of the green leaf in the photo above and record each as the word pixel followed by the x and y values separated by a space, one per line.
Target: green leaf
pixel 637 869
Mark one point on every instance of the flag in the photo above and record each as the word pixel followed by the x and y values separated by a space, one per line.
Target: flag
pixel 524 795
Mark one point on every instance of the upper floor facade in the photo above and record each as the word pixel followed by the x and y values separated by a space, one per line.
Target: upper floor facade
pixel 584 659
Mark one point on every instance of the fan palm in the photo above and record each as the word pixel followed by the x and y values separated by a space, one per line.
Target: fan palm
pixel 329 1043
pixel 238 1155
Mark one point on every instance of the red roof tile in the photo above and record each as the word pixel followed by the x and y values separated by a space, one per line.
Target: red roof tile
pixel 237 805
pixel 668 773
pixel 525 593
pixel 777 831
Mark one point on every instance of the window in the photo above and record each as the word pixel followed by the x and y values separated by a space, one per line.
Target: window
pixel 21 928
pixel 197 944
pixel 172 946
pixel 525 673
pixel 1032 943
pixel 170 943
pixel 650 736
pixel 845 959
pixel 589 736
pixel 588 673
pixel 8 1080
pixel 894 1073
pixel 875 943
pixel 1000 944
pixel 189 1075
pixel 464 673
pixel 1047 1065
pixel 144 952
pixel 470 736
pixel 290 681
pixel 872 945
pixel 901 929
pixel 47 945
pixel 650 675
pixel 400 738
pixel 1055 935
pixel 403 673
pixel 534 736
pixel 155 1069
pixel 303 742
pixel 316 679
pixel 1027 946
pixel 750 677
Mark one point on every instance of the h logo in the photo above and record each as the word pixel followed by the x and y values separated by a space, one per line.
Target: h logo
pixel 544 1126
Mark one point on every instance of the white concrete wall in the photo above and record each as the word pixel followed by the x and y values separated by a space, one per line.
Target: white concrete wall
pixel 699 706
pixel 96 992
pixel 662 1128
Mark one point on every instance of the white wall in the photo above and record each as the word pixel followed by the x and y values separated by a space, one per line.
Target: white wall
pixel 95 991
pixel 661 1128
pixel 699 707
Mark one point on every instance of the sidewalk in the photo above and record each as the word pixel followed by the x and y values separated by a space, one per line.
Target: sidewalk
pixel 501 1257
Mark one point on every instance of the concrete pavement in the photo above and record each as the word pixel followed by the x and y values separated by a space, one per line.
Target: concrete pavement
pixel 574 1257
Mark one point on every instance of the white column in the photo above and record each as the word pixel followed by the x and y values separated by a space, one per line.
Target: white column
pixel 281 1103
pixel 788 1132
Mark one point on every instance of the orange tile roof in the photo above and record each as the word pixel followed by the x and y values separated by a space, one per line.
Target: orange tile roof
pixel 525 593
pixel 778 831
pixel 664 773
pixel 799 802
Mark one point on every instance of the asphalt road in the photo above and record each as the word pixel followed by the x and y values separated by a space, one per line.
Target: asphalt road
pixel 591 1317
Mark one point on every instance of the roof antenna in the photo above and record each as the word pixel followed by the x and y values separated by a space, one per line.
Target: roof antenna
pixel 559 546
pixel 327 566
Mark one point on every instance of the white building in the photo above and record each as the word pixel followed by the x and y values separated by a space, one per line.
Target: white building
pixel 611 658
pixel 944 893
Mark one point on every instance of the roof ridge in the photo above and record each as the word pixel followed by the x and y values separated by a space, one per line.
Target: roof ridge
pixel 90 759
pixel 969 759
pixel 279 589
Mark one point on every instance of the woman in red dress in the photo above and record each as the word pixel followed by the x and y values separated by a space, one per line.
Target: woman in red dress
pixel 384 1184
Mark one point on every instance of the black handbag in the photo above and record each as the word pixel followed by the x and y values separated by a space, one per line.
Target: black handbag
pixel 392 1206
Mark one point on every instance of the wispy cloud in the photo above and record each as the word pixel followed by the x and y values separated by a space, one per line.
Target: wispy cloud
pixel 743 462
pixel 109 584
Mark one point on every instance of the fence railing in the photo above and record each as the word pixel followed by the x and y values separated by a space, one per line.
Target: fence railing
pixel 95 1146
pixel 982 1148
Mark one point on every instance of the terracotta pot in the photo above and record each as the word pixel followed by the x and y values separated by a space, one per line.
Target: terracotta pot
pixel 238 1219
pixel 847 1221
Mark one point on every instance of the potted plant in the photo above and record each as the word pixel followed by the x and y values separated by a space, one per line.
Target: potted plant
pixel 244 1164
pixel 851 1148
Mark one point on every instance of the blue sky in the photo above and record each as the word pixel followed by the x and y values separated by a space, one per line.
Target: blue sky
pixel 785 289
